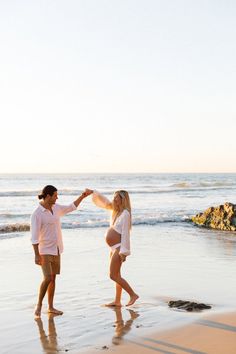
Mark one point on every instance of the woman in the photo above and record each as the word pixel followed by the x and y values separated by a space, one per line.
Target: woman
pixel 118 239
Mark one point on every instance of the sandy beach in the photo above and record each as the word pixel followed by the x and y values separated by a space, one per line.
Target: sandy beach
pixel 84 287
pixel 209 335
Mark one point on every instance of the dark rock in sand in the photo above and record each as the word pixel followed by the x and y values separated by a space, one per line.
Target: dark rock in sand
pixel 188 305
pixel 222 217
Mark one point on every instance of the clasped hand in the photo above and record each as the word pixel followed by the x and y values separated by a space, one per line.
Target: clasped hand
pixel 87 192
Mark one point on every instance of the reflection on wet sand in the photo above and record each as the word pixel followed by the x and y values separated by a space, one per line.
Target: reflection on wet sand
pixel 121 327
pixel 49 342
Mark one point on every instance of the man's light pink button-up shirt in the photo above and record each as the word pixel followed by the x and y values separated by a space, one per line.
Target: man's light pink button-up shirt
pixel 46 228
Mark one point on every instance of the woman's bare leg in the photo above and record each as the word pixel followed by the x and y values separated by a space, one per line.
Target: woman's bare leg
pixel 118 294
pixel 115 275
pixel 117 301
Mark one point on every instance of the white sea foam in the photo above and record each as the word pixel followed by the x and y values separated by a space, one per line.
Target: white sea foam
pixel 21 227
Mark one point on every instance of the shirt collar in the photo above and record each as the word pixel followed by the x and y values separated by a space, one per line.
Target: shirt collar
pixel 41 207
pixel 44 209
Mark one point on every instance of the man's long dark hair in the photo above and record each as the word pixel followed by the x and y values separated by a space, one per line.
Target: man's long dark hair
pixel 47 190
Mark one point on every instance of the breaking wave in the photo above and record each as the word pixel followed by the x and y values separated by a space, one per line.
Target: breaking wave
pixel 17 227
pixel 21 227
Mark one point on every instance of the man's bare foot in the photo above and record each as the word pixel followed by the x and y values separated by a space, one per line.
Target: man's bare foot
pixel 132 300
pixel 114 304
pixel 37 312
pixel 55 311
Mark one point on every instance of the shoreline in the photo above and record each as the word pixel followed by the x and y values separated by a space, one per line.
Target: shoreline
pixel 211 334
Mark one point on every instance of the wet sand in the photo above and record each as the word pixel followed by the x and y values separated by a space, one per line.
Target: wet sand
pixel 210 335
pixel 165 271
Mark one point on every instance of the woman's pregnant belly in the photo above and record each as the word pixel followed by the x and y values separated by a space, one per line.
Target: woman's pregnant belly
pixel 112 237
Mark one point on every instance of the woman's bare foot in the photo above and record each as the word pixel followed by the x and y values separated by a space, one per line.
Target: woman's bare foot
pixel 132 300
pixel 37 312
pixel 114 304
pixel 55 311
pixel 133 314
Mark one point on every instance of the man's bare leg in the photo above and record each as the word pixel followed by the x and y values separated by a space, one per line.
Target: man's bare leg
pixel 51 292
pixel 42 291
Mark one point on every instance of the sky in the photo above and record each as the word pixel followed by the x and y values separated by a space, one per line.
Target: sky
pixel 117 86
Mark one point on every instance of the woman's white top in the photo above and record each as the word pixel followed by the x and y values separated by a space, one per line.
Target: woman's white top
pixel 121 224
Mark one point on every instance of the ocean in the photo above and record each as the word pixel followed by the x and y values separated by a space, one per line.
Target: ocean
pixel 171 258
pixel 156 198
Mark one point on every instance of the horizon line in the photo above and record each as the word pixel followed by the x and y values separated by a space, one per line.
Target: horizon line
pixel 77 173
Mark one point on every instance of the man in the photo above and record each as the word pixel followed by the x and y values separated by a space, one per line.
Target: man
pixel 47 242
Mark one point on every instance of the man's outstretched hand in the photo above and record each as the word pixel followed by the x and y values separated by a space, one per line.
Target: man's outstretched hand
pixel 87 192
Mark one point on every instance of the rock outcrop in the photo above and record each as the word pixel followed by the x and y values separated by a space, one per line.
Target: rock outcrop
pixel 222 217
pixel 188 305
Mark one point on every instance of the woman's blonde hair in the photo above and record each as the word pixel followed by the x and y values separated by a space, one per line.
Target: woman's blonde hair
pixel 125 204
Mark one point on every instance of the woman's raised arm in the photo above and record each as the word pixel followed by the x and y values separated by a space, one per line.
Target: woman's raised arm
pixel 99 199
